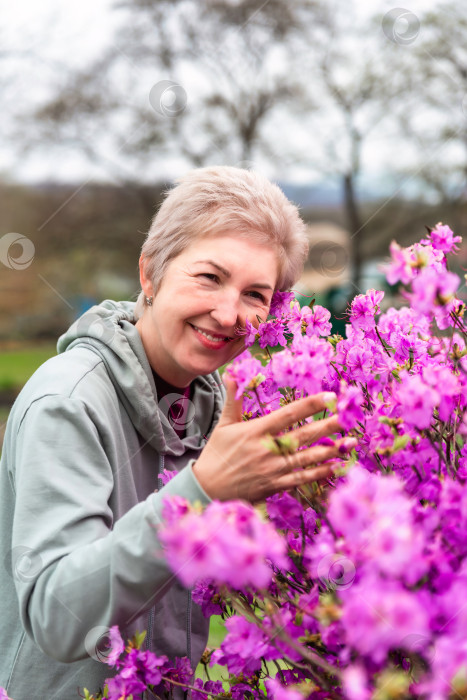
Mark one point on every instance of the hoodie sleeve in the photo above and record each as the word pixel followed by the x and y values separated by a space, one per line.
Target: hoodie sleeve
pixel 82 569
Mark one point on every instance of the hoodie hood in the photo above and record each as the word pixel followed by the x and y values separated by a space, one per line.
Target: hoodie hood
pixel 109 331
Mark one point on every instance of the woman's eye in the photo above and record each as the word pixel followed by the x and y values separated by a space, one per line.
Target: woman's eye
pixel 257 295
pixel 214 278
pixel 209 275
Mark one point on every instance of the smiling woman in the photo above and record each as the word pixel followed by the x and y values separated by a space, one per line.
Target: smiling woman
pixel 207 293
pixel 134 392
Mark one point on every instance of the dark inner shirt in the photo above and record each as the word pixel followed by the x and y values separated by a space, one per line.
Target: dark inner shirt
pixel 174 402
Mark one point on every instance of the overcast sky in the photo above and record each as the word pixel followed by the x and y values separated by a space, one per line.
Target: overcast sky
pixel 61 34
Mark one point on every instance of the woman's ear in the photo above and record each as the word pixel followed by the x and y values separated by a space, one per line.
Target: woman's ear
pixel 146 283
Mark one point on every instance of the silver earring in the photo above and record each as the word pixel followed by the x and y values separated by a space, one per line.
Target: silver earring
pixel 149 301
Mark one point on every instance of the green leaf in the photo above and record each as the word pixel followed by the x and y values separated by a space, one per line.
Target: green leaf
pixel 400 442
pixel 281 445
pixel 138 639
pixel 256 381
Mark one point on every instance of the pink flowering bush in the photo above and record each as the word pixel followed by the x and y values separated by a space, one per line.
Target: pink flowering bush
pixel 353 589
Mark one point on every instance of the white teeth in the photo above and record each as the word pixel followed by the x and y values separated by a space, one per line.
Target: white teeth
pixel 209 337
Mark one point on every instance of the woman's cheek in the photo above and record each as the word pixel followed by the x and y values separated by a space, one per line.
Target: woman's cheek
pixel 237 350
pixel 261 312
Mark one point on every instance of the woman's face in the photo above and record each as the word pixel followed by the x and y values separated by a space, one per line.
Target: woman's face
pixel 207 291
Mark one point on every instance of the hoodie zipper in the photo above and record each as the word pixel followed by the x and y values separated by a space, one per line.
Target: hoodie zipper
pixel 189 596
pixel 152 611
pixel 188 626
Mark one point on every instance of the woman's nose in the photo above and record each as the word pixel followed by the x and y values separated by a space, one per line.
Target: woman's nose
pixel 226 311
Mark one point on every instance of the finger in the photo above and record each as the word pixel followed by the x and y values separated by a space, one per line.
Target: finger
pixel 322 453
pixel 300 459
pixel 232 411
pixel 315 430
pixel 293 412
pixel 306 476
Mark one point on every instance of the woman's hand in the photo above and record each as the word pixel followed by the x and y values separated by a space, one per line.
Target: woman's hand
pixel 237 462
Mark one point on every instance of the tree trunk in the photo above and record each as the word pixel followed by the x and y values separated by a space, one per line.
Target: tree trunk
pixel 355 227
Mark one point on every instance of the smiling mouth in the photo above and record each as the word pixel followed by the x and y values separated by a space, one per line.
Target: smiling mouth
pixel 213 338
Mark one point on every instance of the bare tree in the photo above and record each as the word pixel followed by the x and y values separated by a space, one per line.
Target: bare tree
pixel 216 81
pixel 360 96
pixel 191 79
pixel 439 126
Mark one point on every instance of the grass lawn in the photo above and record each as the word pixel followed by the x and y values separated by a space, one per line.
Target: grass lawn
pixel 17 366
pixel 217 633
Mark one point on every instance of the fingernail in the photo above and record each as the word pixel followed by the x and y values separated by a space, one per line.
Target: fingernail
pixel 347 445
pixel 329 396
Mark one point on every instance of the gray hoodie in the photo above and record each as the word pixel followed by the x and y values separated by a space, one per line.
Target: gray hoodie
pixel 80 502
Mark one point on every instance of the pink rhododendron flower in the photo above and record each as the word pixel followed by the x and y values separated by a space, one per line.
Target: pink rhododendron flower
pixel 271 333
pixel 316 320
pixel 140 669
pixel 380 614
pixel 243 647
pixel 243 370
pixel 227 543
pixel 415 400
pixel 432 288
pixel 350 406
pixel 355 683
pixel 117 646
pixel 284 511
pixel 401 268
pixel 277 691
pixel 442 238
pixel 364 308
pixel 166 475
pixel 406 262
pixel 280 303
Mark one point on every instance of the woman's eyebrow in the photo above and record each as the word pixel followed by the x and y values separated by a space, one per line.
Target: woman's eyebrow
pixel 226 273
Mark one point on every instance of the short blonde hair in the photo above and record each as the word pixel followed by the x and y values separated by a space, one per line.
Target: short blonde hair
pixel 225 200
